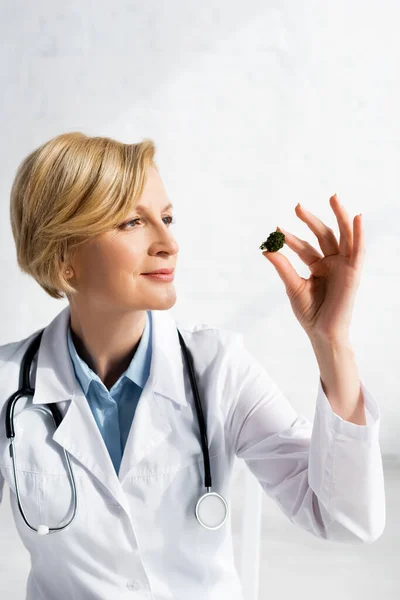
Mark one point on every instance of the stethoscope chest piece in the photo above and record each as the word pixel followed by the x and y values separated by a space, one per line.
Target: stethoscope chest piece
pixel 211 510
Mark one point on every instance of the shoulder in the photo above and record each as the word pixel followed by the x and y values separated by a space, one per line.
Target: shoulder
pixel 211 343
pixel 223 354
pixel 11 356
pixel 13 352
pixel 207 332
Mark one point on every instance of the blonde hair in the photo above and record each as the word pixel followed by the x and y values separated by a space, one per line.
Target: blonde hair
pixel 69 190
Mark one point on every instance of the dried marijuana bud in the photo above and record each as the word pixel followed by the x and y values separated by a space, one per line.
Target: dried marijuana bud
pixel 274 242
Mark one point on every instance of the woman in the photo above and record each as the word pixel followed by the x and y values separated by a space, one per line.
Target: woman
pixel 90 219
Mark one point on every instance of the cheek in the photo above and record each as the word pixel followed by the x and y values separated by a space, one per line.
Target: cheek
pixel 125 259
pixel 114 261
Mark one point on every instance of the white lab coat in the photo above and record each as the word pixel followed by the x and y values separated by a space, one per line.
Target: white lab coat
pixel 136 535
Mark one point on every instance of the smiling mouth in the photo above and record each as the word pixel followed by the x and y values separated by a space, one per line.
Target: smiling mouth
pixel 166 277
pixel 160 271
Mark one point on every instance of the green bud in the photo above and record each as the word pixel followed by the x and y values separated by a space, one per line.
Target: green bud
pixel 274 242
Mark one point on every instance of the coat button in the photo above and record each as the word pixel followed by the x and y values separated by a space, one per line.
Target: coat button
pixel 133 585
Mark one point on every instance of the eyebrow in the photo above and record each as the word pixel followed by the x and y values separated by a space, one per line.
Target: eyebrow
pixel 141 207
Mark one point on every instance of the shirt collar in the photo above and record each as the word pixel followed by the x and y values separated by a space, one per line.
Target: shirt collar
pixel 138 370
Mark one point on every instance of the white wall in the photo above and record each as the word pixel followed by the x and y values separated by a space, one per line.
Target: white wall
pixel 253 107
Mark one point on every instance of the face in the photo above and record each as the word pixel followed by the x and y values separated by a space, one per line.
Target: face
pixel 107 271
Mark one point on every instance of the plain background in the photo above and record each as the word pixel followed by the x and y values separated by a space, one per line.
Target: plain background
pixel 253 107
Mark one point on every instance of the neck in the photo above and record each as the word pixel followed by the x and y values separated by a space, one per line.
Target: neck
pixel 107 343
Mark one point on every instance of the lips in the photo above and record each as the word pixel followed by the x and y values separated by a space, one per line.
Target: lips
pixel 161 271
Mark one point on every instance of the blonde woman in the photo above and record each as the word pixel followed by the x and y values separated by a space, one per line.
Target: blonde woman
pixel 91 219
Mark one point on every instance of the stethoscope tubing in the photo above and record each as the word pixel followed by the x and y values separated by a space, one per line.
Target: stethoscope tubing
pixel 53 410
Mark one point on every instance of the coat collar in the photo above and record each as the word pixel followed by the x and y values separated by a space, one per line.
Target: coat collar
pixel 138 370
pixel 54 381
pixel 55 377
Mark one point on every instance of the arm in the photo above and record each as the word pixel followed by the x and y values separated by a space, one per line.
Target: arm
pixel 339 378
pixel 326 476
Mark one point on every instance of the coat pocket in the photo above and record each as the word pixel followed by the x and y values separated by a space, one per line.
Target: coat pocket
pixel 59 501
pixel 46 499
pixel 29 495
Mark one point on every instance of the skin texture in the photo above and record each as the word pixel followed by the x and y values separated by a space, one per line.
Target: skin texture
pixel 323 303
pixel 108 314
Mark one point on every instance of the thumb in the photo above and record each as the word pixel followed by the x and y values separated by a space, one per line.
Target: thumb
pixel 285 270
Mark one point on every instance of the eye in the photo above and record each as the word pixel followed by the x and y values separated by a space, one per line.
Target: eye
pixel 124 225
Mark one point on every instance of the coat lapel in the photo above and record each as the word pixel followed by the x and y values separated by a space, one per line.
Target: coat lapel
pixel 54 381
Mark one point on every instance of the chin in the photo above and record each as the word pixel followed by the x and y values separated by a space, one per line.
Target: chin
pixel 161 302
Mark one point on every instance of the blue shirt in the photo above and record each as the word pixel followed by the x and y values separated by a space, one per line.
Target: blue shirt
pixel 114 409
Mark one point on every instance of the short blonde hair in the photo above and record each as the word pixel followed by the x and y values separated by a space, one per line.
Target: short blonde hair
pixel 69 190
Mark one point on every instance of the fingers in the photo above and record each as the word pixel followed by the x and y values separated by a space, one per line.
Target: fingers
pixel 325 235
pixel 345 226
pixel 286 271
pixel 351 242
pixel 357 257
pixel 303 249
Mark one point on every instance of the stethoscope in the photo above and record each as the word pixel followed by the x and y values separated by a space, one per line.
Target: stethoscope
pixel 211 509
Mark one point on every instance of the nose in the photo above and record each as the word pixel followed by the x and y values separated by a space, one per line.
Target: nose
pixel 168 243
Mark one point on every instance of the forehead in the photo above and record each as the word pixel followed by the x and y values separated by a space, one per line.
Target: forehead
pixel 153 195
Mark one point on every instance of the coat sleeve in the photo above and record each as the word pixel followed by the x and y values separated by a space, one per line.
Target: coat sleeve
pixel 1 486
pixel 326 476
